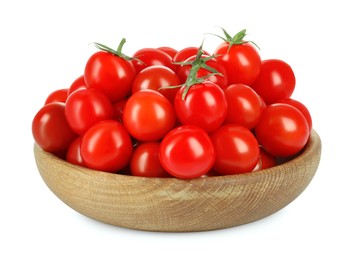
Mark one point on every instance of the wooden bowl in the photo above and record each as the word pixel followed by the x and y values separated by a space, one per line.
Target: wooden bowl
pixel 175 205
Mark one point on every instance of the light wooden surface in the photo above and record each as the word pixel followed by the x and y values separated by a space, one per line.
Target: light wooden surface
pixel 176 205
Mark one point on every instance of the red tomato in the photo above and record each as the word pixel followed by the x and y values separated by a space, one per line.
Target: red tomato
pixel 205 106
pixel 59 95
pixel 78 83
pixel 169 50
pixel 187 152
pixel 240 58
pixel 276 81
pixel 86 107
pixel 283 130
pixel 155 77
pixel 265 160
pixel 118 109
pixel 244 105
pixel 110 74
pixel 150 56
pixel 106 146
pixel 145 161
pixel 186 53
pixel 148 115
pixel 301 107
pixel 262 101
pixel 236 148
pixel 220 79
pixel 73 153
pixel 51 130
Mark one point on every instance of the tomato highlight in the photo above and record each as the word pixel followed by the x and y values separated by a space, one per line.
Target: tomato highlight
pixel 164 113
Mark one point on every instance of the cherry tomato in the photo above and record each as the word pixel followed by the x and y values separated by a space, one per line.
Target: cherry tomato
pixel 244 105
pixel 241 61
pixel 73 153
pixel 51 130
pixel 150 56
pixel 148 115
pixel 110 74
pixel 187 152
pixel 86 107
pixel 276 81
pixel 265 160
pixel 186 53
pixel 106 146
pixel 118 109
pixel 155 77
pixel 78 83
pixel 145 161
pixel 204 105
pixel 301 107
pixel 282 130
pixel 220 79
pixel 169 50
pixel 236 148
pixel 59 95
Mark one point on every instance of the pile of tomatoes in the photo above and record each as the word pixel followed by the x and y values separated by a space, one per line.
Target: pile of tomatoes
pixel 168 113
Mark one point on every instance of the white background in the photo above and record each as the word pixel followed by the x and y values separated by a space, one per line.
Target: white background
pixel 44 46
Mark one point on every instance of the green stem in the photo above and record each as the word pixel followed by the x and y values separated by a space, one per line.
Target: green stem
pixel 120 46
pixel 117 52
pixel 237 39
pixel 196 65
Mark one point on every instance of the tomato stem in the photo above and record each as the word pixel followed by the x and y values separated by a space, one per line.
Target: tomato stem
pixel 117 52
pixel 120 46
pixel 237 39
pixel 196 65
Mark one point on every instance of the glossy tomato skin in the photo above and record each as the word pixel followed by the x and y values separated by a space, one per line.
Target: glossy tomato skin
pixel 51 130
pixel 169 50
pixel 205 106
pixel 236 148
pixel 59 95
pixel 73 154
pixel 276 81
pixel 145 161
pixel 78 83
pixel 242 62
pixel 86 107
pixel 118 108
pixel 301 107
pixel 106 146
pixel 187 152
pixel 265 160
pixel 186 53
pixel 109 74
pixel 151 56
pixel 283 130
pixel 244 105
pixel 148 115
pixel 155 77
pixel 220 79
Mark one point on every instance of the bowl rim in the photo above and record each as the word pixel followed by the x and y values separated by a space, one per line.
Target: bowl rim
pixel 117 199
pixel 310 147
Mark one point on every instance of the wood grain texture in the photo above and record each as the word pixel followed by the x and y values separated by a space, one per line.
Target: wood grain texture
pixel 176 205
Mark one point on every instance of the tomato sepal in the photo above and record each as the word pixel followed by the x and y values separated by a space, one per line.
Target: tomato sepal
pixel 118 52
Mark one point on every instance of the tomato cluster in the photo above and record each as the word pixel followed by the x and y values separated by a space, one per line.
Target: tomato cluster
pixel 186 113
